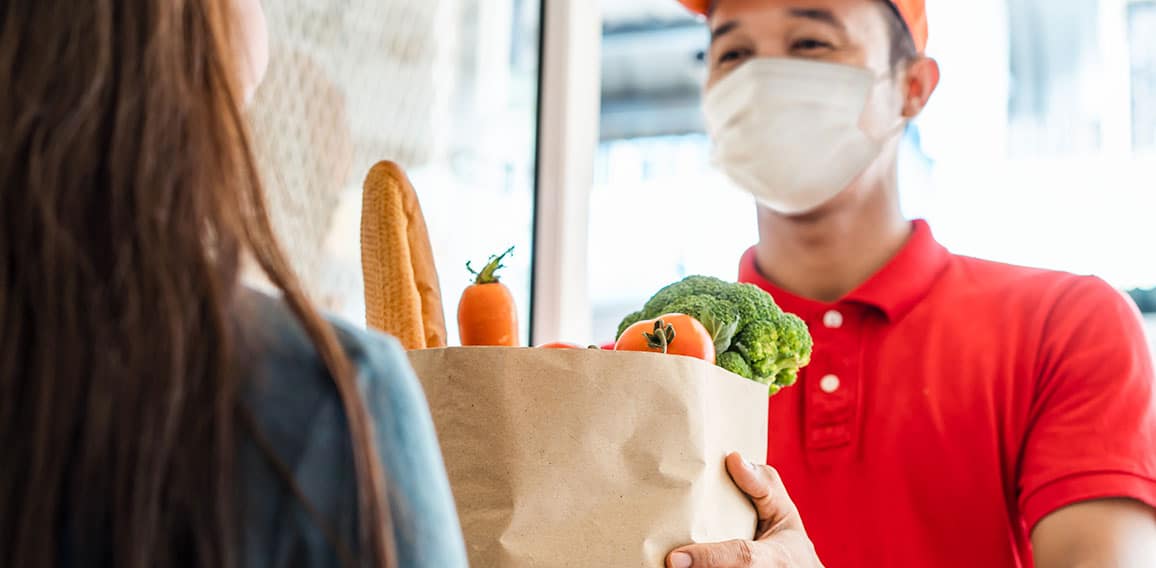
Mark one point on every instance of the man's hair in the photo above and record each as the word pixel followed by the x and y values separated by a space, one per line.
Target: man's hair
pixel 902 41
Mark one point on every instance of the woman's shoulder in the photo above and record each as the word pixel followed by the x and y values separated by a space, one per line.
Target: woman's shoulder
pixel 296 405
pixel 288 372
pixel 290 390
pixel 275 337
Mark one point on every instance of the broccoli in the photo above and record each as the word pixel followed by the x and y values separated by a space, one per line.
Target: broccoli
pixel 754 338
pixel 733 362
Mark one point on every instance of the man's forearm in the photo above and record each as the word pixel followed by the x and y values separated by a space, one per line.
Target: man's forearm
pixel 1096 534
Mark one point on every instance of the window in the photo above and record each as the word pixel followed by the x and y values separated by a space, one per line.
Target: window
pixel 446 88
pixel 1038 148
pixel 1141 31
pixel 1055 63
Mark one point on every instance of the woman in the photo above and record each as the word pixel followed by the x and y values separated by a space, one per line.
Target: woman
pixel 152 411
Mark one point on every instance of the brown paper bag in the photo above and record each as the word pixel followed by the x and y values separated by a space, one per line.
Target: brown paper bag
pixel 591 458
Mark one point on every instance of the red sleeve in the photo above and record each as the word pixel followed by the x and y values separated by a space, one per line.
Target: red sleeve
pixel 1092 424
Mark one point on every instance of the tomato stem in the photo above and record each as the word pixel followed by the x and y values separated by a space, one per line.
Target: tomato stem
pixel 489 273
pixel 662 337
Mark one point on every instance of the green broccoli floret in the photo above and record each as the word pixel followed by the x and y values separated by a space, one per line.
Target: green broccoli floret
pixel 752 302
pixel 733 362
pixel 758 344
pixel 787 377
pixel 777 348
pixel 797 342
pixel 690 286
pixel 754 338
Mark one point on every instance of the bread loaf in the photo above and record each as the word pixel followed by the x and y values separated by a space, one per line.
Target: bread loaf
pixel 402 294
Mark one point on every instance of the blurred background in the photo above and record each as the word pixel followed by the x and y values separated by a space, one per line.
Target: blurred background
pixel 1038 149
pixel 447 88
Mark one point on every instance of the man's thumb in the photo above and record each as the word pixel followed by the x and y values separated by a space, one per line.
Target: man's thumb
pixel 733 554
pixel 764 487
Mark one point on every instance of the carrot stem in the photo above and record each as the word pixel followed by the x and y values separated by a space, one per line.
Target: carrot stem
pixel 489 273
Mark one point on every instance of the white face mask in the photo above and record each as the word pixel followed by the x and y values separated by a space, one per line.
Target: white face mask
pixel 788 131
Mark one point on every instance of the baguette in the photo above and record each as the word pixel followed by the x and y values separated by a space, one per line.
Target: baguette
pixel 402 293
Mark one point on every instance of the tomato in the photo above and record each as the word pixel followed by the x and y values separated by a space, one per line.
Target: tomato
pixel 691 339
pixel 561 345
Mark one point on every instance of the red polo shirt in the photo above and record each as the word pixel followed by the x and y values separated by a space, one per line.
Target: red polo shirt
pixel 952 403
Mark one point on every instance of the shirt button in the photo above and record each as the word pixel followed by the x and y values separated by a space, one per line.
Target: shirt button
pixel 833 319
pixel 829 384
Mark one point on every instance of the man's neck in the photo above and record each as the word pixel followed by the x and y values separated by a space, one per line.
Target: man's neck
pixel 827 254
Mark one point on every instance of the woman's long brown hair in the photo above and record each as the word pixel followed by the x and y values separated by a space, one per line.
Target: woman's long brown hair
pixel 128 197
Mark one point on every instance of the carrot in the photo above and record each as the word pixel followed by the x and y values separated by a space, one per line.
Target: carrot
pixel 487 315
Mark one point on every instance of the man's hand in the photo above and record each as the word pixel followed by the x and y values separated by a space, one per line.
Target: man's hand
pixel 782 541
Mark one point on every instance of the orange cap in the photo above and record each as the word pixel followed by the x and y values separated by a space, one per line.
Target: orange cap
pixel 914 12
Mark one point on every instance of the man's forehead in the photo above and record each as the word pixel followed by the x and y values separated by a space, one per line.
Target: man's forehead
pixel 726 15
pixel 728 23
pixel 739 7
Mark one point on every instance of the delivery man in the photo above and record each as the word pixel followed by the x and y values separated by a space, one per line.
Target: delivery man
pixel 956 412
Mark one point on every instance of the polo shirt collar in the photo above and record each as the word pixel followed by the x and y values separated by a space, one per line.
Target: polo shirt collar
pixel 894 290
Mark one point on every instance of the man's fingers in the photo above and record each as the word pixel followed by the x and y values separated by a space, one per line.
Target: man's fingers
pixel 781 532
pixel 762 484
pixel 733 554
pixel 749 477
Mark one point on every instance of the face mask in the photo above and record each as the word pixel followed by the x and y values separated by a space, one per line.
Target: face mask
pixel 788 131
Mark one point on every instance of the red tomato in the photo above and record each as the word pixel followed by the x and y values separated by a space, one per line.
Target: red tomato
pixel 560 345
pixel 690 337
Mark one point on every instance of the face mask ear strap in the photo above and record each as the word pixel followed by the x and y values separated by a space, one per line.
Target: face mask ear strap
pixel 901 122
pixel 899 128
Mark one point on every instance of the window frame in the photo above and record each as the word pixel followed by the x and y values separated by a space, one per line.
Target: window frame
pixel 569 101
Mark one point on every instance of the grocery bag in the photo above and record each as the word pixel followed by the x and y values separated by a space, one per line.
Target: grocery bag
pixel 584 458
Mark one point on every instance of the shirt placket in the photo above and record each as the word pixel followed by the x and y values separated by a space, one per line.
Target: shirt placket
pixel 832 388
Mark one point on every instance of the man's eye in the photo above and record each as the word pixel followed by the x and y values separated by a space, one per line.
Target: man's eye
pixel 732 55
pixel 810 45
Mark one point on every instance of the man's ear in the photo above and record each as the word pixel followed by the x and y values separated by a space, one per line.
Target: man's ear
pixel 921 79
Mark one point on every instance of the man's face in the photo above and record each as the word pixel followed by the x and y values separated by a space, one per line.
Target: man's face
pixel 844 32
pixel 851 32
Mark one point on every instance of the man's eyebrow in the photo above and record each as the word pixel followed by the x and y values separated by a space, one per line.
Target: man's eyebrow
pixel 819 15
pixel 723 30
